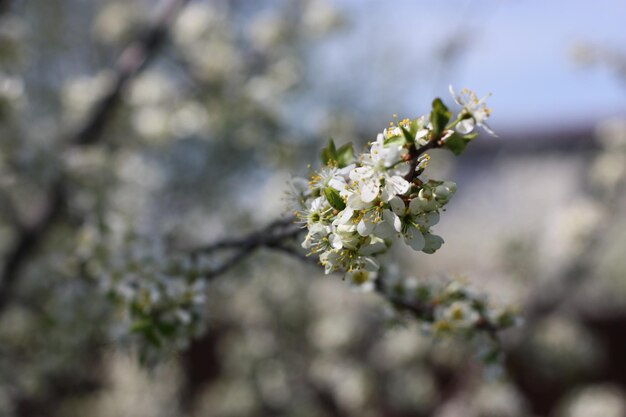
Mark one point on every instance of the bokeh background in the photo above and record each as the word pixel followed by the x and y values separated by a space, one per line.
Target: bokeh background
pixel 198 144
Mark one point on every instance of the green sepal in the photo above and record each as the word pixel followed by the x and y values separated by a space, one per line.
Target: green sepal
pixel 334 199
pixel 457 142
pixel 439 116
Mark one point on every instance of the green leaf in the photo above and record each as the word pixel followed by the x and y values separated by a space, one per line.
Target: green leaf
pixel 341 157
pixel 334 199
pixel 407 135
pixel 345 155
pixel 329 153
pixel 439 116
pixel 141 326
pixel 414 127
pixel 166 329
pixel 395 140
pixel 457 143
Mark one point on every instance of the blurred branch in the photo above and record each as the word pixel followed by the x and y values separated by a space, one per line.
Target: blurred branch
pixel 276 237
pixel 9 209
pixel 272 236
pixel 274 232
pixel 132 61
pixel 4 6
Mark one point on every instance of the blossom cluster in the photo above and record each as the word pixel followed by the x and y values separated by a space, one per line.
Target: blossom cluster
pixel 447 306
pixel 450 309
pixel 355 208
pixel 160 298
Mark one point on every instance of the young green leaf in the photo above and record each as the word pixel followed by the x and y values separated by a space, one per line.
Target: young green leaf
pixel 457 143
pixel 345 155
pixel 407 135
pixel 329 153
pixel 334 199
pixel 395 140
pixel 439 116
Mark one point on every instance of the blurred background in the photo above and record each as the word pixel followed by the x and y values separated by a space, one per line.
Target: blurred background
pixel 173 124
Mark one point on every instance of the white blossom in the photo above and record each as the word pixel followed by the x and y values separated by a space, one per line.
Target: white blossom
pixel 382 172
pixel 475 108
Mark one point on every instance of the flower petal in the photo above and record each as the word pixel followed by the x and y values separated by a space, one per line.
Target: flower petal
pixel 414 238
pixel 369 189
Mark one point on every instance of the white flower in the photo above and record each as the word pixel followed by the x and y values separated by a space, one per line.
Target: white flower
pixel 405 221
pixel 476 108
pixel 382 172
pixel 297 193
pixel 317 211
pixel 331 261
pixel 344 236
pixel 316 236
pixel 331 177
pixel 459 314
pixel 362 279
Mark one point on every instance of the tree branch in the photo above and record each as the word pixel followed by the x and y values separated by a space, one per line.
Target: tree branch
pixel 275 237
pixel 415 153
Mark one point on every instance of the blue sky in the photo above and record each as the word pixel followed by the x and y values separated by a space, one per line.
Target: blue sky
pixel 518 50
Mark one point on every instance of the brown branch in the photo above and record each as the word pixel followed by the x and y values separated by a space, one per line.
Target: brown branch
pixel 415 153
pixel 420 310
pixel 272 236
pixel 132 61
pixel 274 232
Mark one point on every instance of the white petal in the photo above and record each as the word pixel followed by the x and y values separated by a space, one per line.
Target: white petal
pixel 370 264
pixel 454 95
pixel 345 171
pixel 365 228
pixel 398 184
pixel 397 206
pixel 385 229
pixel 433 242
pixel 375 246
pixel 344 216
pixel 414 238
pixel 416 206
pixel 337 183
pixel 433 218
pixel 465 126
pixel 488 129
pixel 370 190
pixel 355 202
pixel 361 173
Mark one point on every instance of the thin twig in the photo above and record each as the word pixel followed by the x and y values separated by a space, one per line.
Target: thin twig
pixel 276 231
pixel 415 153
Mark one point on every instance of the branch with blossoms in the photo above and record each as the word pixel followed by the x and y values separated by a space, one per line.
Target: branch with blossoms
pixel 346 216
pixel 356 209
